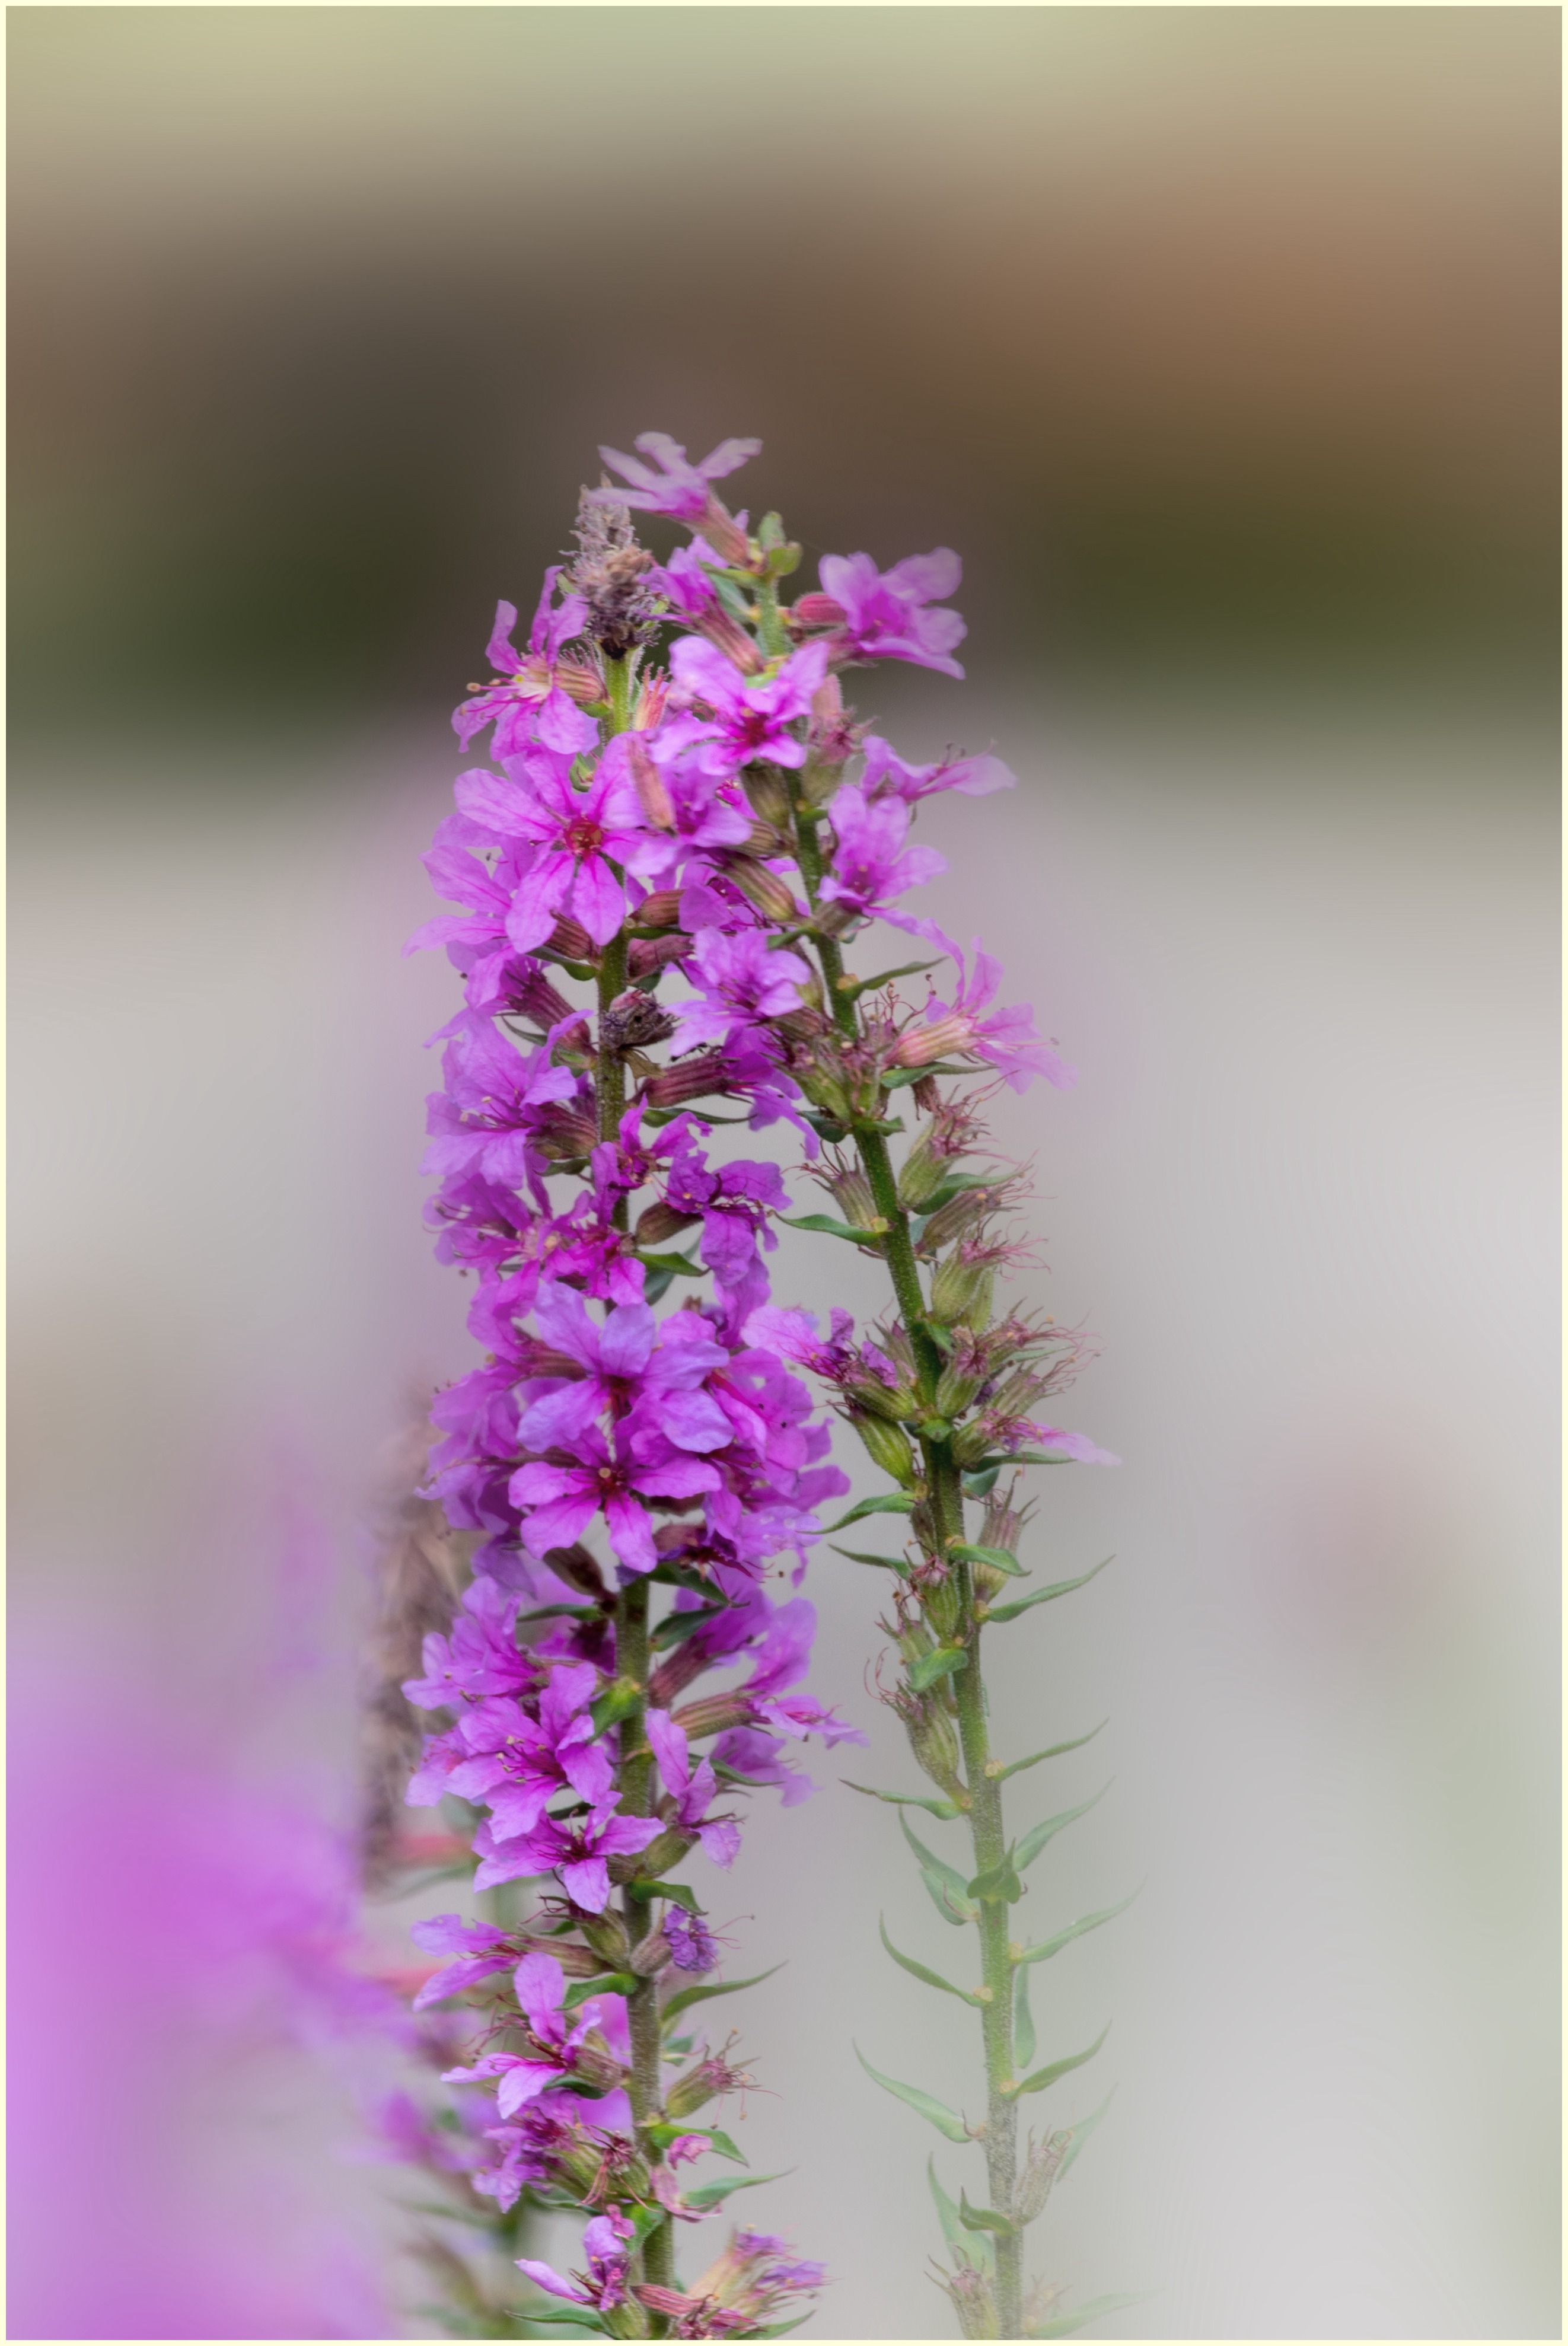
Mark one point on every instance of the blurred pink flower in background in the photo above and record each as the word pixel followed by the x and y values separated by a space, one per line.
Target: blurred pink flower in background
pixel 184 1968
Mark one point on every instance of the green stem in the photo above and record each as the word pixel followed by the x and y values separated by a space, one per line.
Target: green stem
pixel 945 1488
pixel 645 2090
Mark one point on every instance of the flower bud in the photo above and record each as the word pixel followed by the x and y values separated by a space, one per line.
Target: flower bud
pixel 660 909
pixel 852 1192
pixel 607 1935
pixel 656 1860
pixel 689 1080
pixel 938 1598
pixel 651 1956
pixel 658 1224
pixel 632 1021
pixel 644 954
pixel 711 1714
pixel 956 1291
pixel 570 939
pixel 766 890
pixel 889 1445
pixel 954 1390
pixel 656 803
pixel 702 2083
pixel 768 793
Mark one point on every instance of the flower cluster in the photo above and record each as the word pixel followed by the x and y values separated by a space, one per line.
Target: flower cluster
pixel 681 815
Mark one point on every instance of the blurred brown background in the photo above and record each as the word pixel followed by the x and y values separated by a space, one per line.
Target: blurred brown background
pixel 1215 335
pixel 1222 344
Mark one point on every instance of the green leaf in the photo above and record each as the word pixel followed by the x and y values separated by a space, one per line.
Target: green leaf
pixel 855 986
pixel 980 1484
pixel 887 1503
pixel 828 1228
pixel 998 1883
pixel 710 2195
pixel 1023 2021
pixel 1079 2134
pixel 1087 2313
pixel 897 1077
pixel 940 1663
pixel 1000 1559
pixel 986 2219
pixel 946 1887
pixel 945 1810
pixel 1030 1847
pixel 681 1892
pixel 888 1563
pixel 719 2141
pixel 678 1625
pixel 931 1979
pixel 690 1995
pixel 618 1699
pixel 947 2215
pixel 1040 2079
pixel 614 1984
pixel 1048 1948
pixel 550 1612
pixel 1044 1596
pixel 1055 1752
pixel 675 1264
pixel 945 2121
pixel 555 2308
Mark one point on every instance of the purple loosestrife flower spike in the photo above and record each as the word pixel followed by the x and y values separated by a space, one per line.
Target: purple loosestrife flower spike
pixel 622 1455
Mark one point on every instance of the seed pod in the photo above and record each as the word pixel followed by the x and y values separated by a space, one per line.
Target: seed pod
pixel 954 1392
pixel 1039 2172
pixel 765 889
pixel 956 1291
pixel 607 1935
pixel 973 2302
pixel 701 2084
pixel 889 1445
pixel 768 793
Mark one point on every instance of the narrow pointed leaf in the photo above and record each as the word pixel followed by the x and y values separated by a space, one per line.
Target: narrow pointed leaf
pixel 897 1077
pixel 1023 2021
pixel 998 1881
pixel 689 1995
pixel 710 2195
pixel 681 1892
pixel 887 1503
pixel 1037 2083
pixel 858 1555
pixel 1069 2323
pixel 945 2121
pixel 945 1810
pixel 855 986
pixel 986 2219
pixel 1049 1947
pixel 940 1663
pixel 612 1983
pixel 1030 1847
pixel 946 1887
pixel 828 1227
pixel 720 2142
pixel 1042 1596
pixel 1000 1559
pixel 947 2214
pixel 1055 1752
pixel 931 1979
pixel 1079 2135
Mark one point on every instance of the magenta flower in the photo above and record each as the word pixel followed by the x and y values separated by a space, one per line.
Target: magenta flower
pixel 562 1501
pixel 577 835
pixel 576 1848
pixel 518 1763
pixel 632 1365
pixel 483 1120
pixel 692 1789
pixel 871 863
pixel 793 1335
pixel 735 1203
pixel 1006 1039
pixel 532 707
pixel 540 1987
pixel 884 614
pixel 670 485
pixel 745 983
pixel 606 2243
pixel 479 1947
pixel 749 720
pixel 692 1945
pixel 887 775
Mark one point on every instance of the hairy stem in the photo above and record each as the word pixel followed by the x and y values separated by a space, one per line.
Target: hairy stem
pixel 646 2094
pixel 945 1488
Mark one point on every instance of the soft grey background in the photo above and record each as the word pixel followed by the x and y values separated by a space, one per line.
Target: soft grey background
pixel 1219 342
